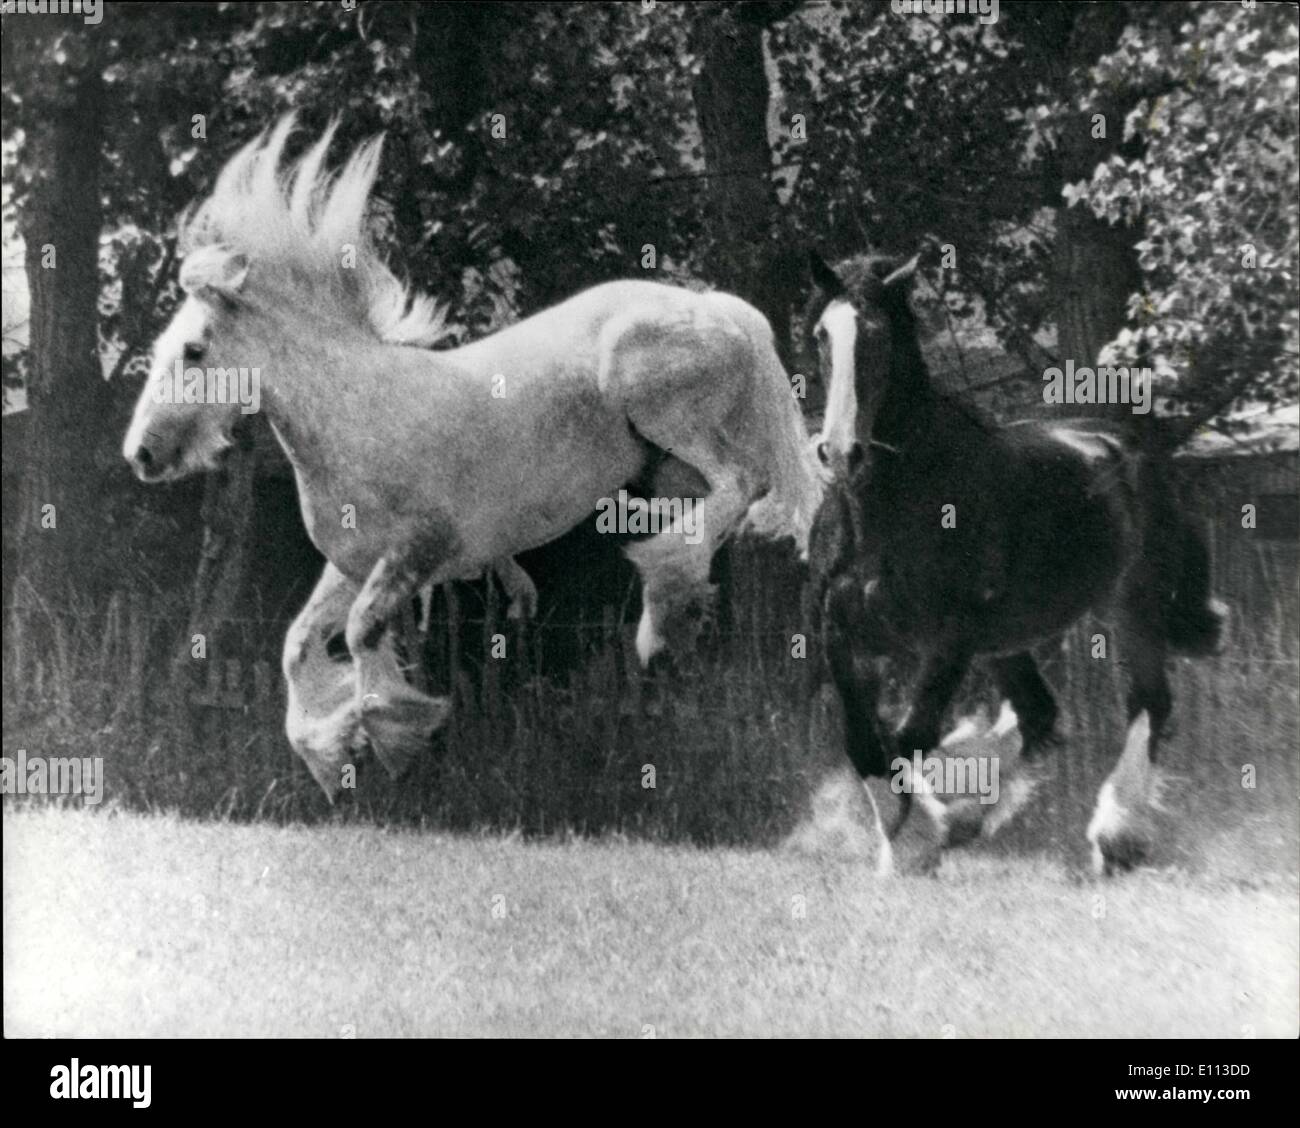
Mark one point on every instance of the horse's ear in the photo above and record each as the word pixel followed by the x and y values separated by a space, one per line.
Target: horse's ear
pixel 823 276
pixel 213 272
pixel 903 274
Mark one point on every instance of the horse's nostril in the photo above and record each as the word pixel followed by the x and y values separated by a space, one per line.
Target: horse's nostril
pixel 856 455
pixel 143 457
pixel 823 452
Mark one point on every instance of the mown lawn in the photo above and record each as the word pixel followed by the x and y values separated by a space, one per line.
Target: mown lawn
pixel 128 925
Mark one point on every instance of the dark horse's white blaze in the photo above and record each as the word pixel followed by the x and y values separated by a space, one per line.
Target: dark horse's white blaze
pixel 448 462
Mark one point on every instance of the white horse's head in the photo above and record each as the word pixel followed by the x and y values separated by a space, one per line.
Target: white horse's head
pixel 852 334
pixel 278 262
pixel 185 418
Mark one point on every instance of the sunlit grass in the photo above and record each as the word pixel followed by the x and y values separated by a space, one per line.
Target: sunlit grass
pixel 121 925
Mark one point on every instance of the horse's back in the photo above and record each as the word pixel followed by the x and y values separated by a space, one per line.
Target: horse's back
pixel 642 324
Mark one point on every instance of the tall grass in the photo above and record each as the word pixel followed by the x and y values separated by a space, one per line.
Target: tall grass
pixel 720 753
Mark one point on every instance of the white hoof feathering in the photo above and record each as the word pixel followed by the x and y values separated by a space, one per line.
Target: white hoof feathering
pixel 1000 743
pixel 648 640
pixel 930 805
pixel 1119 832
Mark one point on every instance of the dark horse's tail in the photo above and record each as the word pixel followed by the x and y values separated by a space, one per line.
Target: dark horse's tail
pixel 1194 619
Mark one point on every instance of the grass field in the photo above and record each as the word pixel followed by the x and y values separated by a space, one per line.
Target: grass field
pixel 118 924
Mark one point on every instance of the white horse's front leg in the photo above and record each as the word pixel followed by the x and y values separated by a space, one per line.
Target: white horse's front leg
pixel 397 718
pixel 321 717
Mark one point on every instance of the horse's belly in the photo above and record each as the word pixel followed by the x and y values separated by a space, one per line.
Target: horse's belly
pixel 553 494
pixel 1047 592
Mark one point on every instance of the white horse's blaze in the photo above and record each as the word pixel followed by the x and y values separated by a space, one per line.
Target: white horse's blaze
pixel 1119 822
pixel 839 429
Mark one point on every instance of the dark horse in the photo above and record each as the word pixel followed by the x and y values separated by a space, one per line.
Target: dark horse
pixel 951 536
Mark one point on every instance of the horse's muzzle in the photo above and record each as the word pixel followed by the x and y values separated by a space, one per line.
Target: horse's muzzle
pixel 853 457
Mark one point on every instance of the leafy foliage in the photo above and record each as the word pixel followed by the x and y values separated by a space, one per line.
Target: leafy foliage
pixel 1215 194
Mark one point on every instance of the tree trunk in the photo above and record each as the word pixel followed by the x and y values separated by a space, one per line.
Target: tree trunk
pixel 1095 268
pixel 731 96
pixel 70 449
pixel 223 677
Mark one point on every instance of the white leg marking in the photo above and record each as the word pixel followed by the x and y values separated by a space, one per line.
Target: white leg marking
pixel 648 640
pixel 1128 791
pixel 885 853
pixel 930 805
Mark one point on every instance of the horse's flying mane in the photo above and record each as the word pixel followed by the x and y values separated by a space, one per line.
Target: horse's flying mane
pixel 295 224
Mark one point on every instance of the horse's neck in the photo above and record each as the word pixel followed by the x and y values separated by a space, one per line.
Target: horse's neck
pixel 319 404
pixel 906 408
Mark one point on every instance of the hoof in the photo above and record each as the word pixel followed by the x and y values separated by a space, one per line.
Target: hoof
pixel 1121 831
pixel 1016 796
pixel 924 862
pixel 327 772
pixel 399 725
pixel 964 822
pixel 1120 852
pixel 326 745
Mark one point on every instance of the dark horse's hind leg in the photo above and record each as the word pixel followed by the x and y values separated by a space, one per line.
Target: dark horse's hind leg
pixel 1121 831
pixel 1148 690
pixel 1021 683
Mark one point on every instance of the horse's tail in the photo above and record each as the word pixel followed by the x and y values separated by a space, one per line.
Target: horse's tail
pixel 795 488
pixel 1195 619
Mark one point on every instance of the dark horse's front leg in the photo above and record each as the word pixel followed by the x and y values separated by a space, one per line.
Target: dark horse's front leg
pixel 942 671
pixel 854 638
pixel 941 676
pixel 857 635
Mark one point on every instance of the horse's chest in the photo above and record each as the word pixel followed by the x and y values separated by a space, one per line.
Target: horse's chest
pixel 348 526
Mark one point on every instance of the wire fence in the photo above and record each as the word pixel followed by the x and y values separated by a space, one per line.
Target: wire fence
pixel 561 728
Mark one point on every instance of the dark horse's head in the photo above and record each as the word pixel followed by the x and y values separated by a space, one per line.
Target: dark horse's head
pixel 853 314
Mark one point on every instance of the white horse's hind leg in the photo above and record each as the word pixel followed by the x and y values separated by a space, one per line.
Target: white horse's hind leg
pixel 688 381
pixel 1121 831
pixel 674 564
pixel 518 586
pixel 321 718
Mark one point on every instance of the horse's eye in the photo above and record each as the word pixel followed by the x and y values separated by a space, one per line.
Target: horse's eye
pixel 193 352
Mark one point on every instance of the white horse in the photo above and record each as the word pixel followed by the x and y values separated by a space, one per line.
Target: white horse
pixel 417 467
